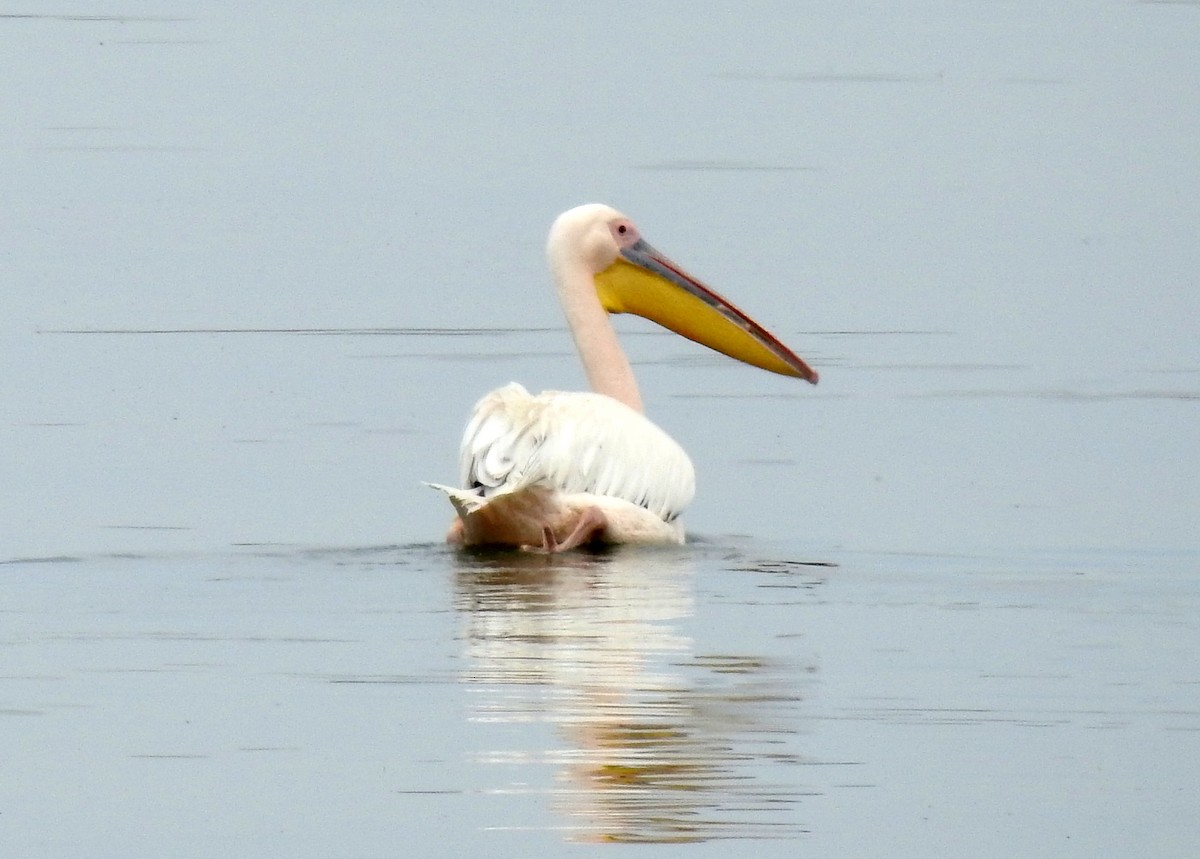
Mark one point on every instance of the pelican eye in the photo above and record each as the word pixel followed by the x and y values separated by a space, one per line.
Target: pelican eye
pixel 622 229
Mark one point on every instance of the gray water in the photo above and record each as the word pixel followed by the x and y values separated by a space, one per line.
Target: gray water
pixel 257 264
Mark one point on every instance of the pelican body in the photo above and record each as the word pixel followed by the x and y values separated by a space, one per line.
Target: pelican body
pixel 557 470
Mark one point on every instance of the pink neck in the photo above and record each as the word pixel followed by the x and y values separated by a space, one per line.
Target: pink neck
pixel 608 370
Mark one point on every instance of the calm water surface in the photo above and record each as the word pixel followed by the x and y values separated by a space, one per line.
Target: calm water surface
pixel 361 701
pixel 257 264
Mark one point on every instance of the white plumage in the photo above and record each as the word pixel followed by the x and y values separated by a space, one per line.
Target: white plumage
pixel 523 457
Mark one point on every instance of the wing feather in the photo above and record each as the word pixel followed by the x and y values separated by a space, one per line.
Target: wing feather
pixel 575 443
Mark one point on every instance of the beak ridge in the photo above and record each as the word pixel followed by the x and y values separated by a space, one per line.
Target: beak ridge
pixel 647 283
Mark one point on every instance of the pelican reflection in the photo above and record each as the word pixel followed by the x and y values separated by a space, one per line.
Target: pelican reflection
pixel 650 742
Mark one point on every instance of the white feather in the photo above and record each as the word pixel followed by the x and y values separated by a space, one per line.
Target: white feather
pixel 534 458
pixel 573 442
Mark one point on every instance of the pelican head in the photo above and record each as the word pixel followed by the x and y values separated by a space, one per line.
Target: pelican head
pixel 630 276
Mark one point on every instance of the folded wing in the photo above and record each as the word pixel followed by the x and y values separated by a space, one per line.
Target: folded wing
pixel 573 442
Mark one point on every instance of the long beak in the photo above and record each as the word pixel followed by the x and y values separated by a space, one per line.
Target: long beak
pixel 645 282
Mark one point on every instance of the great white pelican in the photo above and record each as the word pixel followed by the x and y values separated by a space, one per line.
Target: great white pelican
pixel 562 469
